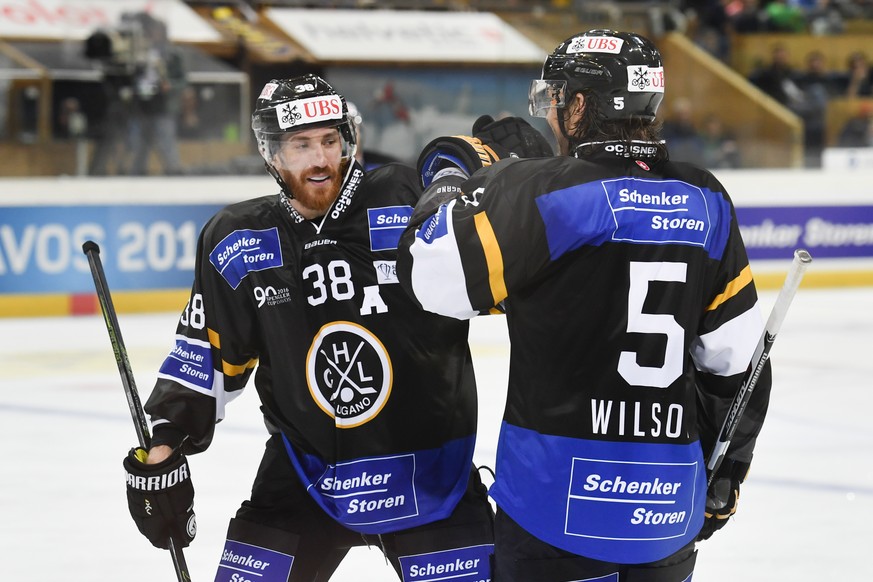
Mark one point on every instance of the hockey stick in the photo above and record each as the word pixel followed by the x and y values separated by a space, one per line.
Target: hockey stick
pixel 801 261
pixel 92 251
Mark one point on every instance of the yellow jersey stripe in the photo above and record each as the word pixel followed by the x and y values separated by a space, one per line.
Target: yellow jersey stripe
pixel 227 368
pixel 734 287
pixel 493 257
pixel 234 370
pixel 214 339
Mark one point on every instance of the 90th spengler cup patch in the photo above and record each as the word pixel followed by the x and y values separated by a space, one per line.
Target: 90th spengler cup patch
pixel 349 373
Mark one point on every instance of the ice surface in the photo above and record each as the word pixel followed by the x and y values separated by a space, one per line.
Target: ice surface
pixel 65 427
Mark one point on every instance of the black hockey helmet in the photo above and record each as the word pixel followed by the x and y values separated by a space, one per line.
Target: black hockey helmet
pixel 621 70
pixel 290 105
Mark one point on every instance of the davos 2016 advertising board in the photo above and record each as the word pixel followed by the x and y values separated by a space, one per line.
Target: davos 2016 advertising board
pixel 147 232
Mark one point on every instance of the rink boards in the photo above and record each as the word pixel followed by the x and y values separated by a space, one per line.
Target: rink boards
pixel 147 231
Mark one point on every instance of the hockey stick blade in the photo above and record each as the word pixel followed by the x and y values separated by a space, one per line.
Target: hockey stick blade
pixel 92 251
pixel 799 264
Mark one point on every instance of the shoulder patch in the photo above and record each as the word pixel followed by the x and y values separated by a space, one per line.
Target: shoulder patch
pixel 244 251
pixel 386 225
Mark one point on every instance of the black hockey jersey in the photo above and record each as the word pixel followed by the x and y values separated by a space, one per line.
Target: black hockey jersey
pixel 374 397
pixel 632 316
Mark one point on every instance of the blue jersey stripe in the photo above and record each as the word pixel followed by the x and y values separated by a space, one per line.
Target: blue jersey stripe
pixel 636 211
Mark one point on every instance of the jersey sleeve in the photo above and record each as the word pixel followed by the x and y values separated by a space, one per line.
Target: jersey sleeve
pixel 722 350
pixel 466 256
pixel 213 355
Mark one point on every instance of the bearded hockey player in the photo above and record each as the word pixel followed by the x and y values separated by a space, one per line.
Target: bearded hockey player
pixel 370 401
pixel 632 315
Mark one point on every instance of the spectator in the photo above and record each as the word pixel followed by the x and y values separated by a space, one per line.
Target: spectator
pixel 189 123
pixel 720 149
pixel 778 79
pixel 858 130
pixel 818 77
pixel 818 85
pixel 112 149
pixel 859 76
pixel 713 26
pixel 824 17
pixel 785 17
pixel 681 135
pixel 72 122
pixel 747 16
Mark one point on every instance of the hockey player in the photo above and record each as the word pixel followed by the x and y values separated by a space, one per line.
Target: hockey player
pixel 632 315
pixel 370 401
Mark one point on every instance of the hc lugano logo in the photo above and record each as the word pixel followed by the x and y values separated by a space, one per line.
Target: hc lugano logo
pixel 349 373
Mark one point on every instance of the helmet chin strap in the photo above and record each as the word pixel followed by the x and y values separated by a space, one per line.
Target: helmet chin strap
pixel 275 173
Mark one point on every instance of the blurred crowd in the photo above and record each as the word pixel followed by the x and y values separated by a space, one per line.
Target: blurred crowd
pixel 150 105
pixel 806 91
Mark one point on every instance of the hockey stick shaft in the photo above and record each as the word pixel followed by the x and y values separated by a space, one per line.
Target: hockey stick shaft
pixel 92 251
pixel 798 267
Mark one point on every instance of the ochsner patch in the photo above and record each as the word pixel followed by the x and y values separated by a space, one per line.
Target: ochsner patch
pixel 311 110
pixel 595 44
pixel 642 78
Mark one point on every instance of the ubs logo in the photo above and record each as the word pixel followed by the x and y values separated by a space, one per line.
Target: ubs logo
pixel 349 373
pixel 289 115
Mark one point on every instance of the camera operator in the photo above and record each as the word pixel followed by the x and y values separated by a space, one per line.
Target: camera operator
pixel 143 77
pixel 115 49
pixel 157 94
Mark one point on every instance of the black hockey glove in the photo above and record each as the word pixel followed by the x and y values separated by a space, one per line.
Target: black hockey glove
pixel 512 134
pixel 161 498
pixel 722 497
pixel 492 140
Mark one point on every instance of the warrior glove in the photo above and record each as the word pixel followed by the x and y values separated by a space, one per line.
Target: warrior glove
pixel 461 155
pixel 723 496
pixel 161 498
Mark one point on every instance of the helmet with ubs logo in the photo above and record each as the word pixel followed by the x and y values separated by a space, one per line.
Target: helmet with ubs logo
pixel 621 70
pixel 290 105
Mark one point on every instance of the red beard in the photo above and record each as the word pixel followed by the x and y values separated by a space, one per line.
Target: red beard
pixel 314 198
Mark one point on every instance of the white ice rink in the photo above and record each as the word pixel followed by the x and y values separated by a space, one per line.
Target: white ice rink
pixel 805 513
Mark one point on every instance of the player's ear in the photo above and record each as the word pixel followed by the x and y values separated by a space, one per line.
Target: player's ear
pixel 579 104
pixel 574 112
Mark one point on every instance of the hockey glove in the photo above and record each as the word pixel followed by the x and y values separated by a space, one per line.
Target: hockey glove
pixel 722 497
pixel 458 155
pixel 514 135
pixel 161 498
pixel 462 155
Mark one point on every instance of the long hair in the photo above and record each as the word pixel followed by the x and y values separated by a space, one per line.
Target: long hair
pixel 594 127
